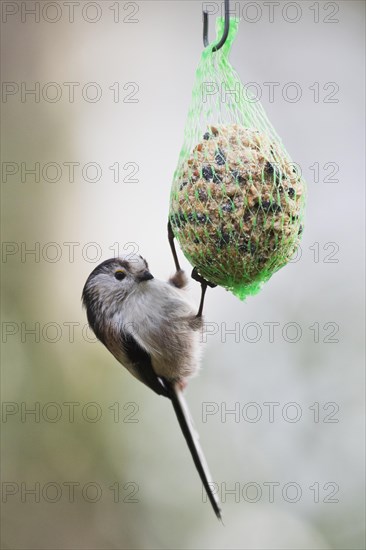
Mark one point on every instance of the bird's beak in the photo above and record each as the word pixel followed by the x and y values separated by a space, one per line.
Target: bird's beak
pixel 145 276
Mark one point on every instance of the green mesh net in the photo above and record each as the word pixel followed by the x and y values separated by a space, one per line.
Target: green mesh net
pixel 237 200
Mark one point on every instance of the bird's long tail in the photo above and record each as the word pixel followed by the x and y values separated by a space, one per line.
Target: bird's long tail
pixel 192 438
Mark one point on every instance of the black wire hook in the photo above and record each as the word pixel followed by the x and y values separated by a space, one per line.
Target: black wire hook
pixel 226 28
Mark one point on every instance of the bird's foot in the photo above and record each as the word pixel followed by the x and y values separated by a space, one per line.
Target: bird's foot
pixel 197 277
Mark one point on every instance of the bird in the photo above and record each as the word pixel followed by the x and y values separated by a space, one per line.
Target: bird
pixel 150 327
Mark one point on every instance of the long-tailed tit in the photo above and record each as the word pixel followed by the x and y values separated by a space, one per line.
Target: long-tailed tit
pixel 151 328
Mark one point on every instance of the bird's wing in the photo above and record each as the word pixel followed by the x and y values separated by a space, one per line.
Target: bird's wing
pixel 142 365
pixel 192 439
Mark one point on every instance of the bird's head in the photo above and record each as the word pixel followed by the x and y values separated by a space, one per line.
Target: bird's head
pixel 113 280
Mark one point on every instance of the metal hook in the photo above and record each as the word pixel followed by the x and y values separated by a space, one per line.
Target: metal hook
pixel 226 28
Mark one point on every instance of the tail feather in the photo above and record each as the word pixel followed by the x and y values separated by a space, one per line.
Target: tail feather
pixel 192 439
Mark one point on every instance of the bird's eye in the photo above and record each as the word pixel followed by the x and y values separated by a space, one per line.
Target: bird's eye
pixel 119 275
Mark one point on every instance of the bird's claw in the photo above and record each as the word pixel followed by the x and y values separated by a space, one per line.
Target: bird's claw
pixel 197 277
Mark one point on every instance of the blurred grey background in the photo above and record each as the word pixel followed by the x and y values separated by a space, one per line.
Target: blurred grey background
pixel 294 484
